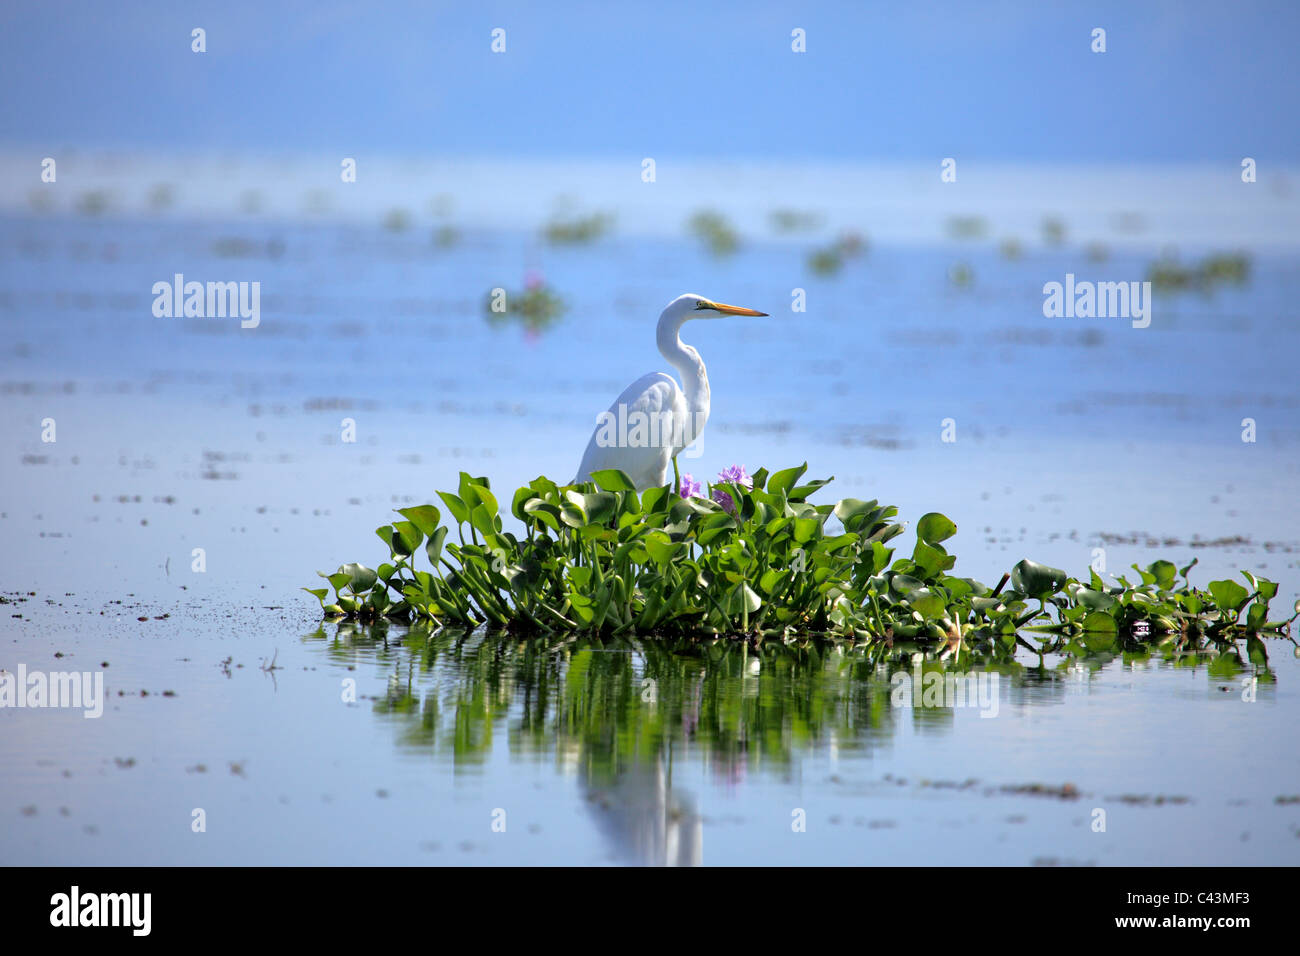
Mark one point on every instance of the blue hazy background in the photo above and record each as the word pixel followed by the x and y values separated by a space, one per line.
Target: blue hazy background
pixel 1180 81
pixel 1079 440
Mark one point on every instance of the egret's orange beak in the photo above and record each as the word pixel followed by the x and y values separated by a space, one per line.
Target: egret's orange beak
pixel 734 309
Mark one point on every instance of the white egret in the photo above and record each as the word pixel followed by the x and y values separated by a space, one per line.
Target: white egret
pixel 654 419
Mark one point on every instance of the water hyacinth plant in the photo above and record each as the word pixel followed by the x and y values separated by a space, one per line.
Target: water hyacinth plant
pixel 598 557
pixel 536 308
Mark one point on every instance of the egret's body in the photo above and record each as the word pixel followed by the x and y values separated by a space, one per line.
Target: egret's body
pixel 655 418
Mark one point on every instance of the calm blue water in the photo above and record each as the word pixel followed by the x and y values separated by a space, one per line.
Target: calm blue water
pixel 175 434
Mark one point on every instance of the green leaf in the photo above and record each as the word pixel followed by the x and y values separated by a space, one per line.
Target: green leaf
pixel 1229 595
pixel 337 580
pixel 483 518
pixel 456 506
pixel 932 560
pixel 1038 580
pixel 612 479
pixel 661 547
pixel 320 593
pixel 1100 622
pixel 781 482
pixel 433 547
pixel 927 602
pixel 599 506
pixel 407 537
pixel 934 527
pixel 1164 572
pixel 425 517
pixel 805 529
pixel 360 577
pixel 1096 600
pixel 655 500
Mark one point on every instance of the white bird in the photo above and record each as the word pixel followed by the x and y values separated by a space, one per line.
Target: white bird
pixel 654 419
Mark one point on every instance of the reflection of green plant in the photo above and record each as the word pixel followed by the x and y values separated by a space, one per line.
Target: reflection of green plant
pixel 717 233
pixel 1169 275
pixel 599 558
pixel 615 702
pixel 582 229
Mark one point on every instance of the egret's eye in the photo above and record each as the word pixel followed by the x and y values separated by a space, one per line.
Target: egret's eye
pixel 702 305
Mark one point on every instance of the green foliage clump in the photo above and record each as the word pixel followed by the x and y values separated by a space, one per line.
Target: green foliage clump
pixel 598 557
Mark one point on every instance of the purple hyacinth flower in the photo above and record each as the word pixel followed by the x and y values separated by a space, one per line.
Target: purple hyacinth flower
pixel 735 475
pixel 690 488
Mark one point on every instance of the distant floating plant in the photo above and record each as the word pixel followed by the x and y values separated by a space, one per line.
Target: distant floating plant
pixel 537 308
pixel 578 231
pixel 1169 275
pixel 598 557
pixel 716 232
pixel 830 260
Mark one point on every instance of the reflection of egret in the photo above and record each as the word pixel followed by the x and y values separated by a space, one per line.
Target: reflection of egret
pixel 648 821
pixel 654 418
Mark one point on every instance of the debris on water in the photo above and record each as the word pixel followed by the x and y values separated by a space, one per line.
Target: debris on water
pixel 1146 799
pixel 1066 791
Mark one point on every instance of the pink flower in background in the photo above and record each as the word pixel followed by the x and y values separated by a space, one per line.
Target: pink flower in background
pixel 533 280
pixel 735 475
pixel 690 488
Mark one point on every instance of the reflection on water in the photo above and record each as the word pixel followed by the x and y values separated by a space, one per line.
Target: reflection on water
pixel 621 714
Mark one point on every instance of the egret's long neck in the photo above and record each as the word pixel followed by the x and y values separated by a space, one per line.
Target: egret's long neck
pixel 689 365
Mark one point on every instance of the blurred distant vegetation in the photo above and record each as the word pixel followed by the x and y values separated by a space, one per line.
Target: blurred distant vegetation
pixel 717 233
pixel 578 230
pixel 829 260
pixel 397 220
pixel 536 308
pixel 1053 228
pixel 786 221
pixel 967 227
pixel 1170 275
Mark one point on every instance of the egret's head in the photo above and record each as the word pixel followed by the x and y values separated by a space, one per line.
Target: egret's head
pixel 692 306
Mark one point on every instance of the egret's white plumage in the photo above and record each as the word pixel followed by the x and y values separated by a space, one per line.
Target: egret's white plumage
pixel 654 418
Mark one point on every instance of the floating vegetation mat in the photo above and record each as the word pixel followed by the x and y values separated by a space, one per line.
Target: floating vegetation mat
pixel 760 562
